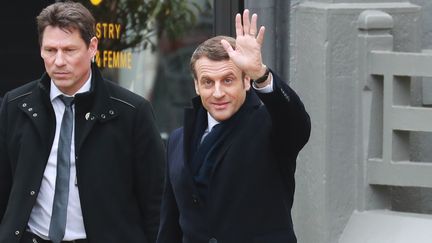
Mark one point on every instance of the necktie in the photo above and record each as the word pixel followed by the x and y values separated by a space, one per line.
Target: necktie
pixel 58 217
pixel 204 148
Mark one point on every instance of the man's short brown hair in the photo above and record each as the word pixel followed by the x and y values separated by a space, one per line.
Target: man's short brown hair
pixel 212 49
pixel 67 16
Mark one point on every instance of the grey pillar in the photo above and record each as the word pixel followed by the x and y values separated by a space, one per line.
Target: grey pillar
pixel 325 70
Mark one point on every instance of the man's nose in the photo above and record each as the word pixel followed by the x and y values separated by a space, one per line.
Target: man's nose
pixel 59 59
pixel 218 91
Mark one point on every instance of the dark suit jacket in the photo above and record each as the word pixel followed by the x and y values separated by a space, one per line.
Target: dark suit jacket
pixel 120 160
pixel 250 193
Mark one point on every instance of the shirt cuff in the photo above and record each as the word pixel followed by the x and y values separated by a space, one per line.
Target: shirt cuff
pixel 265 89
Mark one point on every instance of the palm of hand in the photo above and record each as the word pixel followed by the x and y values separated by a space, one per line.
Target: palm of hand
pixel 247 53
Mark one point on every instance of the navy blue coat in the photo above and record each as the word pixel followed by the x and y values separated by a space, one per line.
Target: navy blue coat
pixel 251 188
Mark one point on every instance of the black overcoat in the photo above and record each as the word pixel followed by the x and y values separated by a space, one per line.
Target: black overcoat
pixel 250 193
pixel 120 160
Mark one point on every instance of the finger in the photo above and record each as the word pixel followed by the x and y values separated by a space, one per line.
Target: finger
pixel 253 26
pixel 246 22
pixel 238 24
pixel 260 37
pixel 228 48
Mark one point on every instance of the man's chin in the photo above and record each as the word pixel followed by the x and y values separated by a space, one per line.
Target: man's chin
pixel 220 116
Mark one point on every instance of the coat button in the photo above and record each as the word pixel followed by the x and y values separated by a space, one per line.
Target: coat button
pixel 195 200
pixel 103 116
pixel 35 114
pixel 111 112
pixel 32 193
pixel 212 240
pixel 30 109
pixel 24 105
pixel 17 232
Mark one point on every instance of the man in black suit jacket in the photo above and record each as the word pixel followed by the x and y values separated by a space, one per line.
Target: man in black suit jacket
pixel 112 170
pixel 230 172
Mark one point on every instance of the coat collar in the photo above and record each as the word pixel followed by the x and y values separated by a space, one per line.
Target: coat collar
pixel 37 106
pixel 90 107
pixel 96 100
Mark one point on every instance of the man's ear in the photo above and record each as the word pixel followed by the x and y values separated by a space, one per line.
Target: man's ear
pixel 93 46
pixel 196 87
pixel 247 82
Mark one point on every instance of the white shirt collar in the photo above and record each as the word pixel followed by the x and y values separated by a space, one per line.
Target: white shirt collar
pixel 55 92
pixel 211 122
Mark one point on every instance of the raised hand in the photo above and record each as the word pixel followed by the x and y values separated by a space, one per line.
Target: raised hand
pixel 247 53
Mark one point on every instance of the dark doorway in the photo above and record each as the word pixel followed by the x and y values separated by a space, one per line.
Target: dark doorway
pixel 20 61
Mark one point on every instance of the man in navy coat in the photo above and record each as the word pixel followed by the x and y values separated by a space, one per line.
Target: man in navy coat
pixel 230 171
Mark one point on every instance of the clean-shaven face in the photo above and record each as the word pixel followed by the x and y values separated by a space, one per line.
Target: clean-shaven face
pixel 67 58
pixel 221 86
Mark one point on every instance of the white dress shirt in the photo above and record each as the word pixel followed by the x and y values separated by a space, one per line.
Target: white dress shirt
pixel 40 216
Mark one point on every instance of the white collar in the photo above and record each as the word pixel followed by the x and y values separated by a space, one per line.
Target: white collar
pixel 211 122
pixel 55 92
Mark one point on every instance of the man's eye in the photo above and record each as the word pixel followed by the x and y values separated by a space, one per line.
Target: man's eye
pixel 207 83
pixel 228 81
pixel 49 52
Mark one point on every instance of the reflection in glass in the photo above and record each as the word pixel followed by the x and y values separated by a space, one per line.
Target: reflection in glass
pixel 146 45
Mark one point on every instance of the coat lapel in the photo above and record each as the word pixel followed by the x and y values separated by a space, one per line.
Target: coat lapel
pixel 192 126
pixel 195 122
pixel 189 120
pixel 92 107
pixel 237 122
pixel 251 103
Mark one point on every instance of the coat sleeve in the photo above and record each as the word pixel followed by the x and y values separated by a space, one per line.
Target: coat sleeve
pixel 290 121
pixel 169 230
pixel 149 169
pixel 5 167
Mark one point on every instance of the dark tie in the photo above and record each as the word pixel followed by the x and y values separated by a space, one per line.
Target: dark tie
pixel 58 217
pixel 204 148
pixel 203 162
